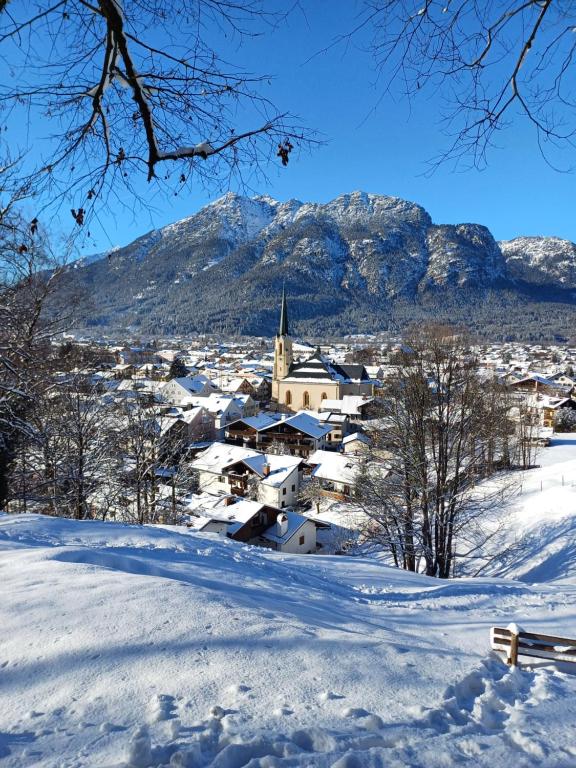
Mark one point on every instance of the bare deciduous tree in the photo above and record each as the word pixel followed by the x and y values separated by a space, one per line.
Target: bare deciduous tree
pixel 65 464
pixel 439 430
pixel 123 89
pixel 491 61
pixel 27 280
pixel 311 493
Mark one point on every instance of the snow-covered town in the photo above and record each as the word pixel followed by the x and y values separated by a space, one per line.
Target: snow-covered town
pixel 287 384
pixel 233 468
pixel 261 441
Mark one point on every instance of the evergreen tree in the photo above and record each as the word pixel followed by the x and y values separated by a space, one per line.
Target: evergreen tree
pixel 177 369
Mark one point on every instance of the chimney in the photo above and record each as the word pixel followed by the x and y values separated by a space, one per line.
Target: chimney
pixel 266 469
pixel 282 524
pixel 228 500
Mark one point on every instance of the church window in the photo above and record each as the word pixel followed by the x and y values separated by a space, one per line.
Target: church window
pixel 288 398
pixel 306 399
pixel 324 396
pixel 280 349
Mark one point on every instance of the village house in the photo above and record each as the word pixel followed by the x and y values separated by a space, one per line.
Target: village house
pixel 230 469
pixel 292 533
pixel 297 435
pixel 224 408
pixel 356 407
pixel 246 431
pixel 336 473
pixel 249 406
pixel 563 379
pixel 177 391
pixel 153 371
pixel 253 522
pixel 356 444
pixel 262 388
pixel 194 425
pixel 534 383
pixel 123 370
pixel 238 385
pixel 339 425
pixel 548 408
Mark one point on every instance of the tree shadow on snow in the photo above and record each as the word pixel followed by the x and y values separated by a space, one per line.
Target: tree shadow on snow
pixel 8 740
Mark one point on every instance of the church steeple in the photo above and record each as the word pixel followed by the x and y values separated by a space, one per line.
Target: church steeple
pixel 282 348
pixel 283 329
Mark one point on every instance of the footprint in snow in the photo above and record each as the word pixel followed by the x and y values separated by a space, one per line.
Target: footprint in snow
pixel 282 712
pixel 111 728
pixel 236 690
pixel 161 707
pixel 330 696
pixel 366 720
pixel 33 714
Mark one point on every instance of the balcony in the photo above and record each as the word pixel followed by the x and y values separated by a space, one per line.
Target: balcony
pixel 238 484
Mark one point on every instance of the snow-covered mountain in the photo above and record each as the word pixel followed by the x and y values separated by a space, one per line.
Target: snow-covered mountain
pixel 541 260
pixel 358 262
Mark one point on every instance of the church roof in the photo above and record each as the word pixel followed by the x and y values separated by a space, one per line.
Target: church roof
pixel 315 369
pixel 319 369
pixel 353 372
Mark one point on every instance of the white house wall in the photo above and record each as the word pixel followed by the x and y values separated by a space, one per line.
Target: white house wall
pixel 274 497
pixel 211 483
pixel 308 530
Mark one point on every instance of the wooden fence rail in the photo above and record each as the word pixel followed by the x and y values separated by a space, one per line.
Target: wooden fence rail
pixel 516 642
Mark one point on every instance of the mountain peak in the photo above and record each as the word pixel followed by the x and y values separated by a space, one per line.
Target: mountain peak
pixel 359 262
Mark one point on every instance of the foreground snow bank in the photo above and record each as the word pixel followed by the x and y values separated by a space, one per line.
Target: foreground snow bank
pixel 140 647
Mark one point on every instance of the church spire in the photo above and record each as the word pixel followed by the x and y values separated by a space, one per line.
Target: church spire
pixel 283 330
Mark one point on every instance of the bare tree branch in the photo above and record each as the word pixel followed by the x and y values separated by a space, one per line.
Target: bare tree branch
pixel 127 89
pixel 490 62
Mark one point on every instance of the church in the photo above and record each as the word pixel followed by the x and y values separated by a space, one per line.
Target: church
pixel 304 385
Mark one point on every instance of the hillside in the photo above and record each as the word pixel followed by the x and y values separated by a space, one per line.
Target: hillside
pixel 139 647
pixel 357 263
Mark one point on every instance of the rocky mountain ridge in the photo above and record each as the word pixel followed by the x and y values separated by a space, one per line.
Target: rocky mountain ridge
pixel 358 262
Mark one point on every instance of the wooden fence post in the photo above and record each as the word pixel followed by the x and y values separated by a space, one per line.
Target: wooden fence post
pixel 512 659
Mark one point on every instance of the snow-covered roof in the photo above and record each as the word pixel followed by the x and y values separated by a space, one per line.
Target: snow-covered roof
pixel 191 385
pixel 329 417
pixel 190 415
pixel 349 404
pixel 219 456
pixel 549 401
pixel 233 384
pixel 198 503
pixel 258 422
pixel 215 403
pixel 316 369
pixel 306 423
pixel 295 522
pixel 280 467
pixel 537 378
pixel 334 466
pixel 356 436
pixel 241 511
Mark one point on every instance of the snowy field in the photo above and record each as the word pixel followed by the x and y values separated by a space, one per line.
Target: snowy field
pixel 140 647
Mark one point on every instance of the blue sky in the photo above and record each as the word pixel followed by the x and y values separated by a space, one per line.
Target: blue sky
pixel 379 145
